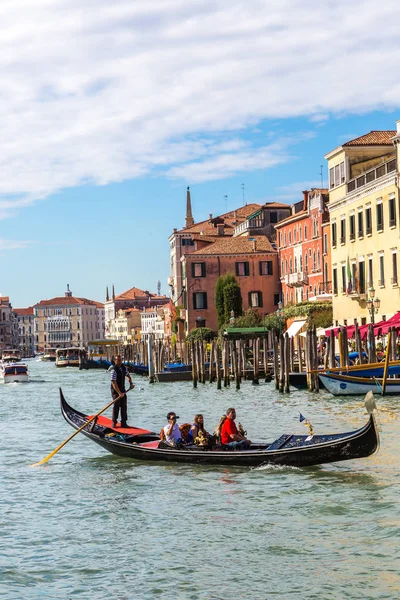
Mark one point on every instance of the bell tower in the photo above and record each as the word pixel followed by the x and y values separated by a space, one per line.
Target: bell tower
pixel 189 221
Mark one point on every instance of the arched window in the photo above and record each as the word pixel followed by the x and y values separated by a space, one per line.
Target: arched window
pixel 295 236
pixel 301 263
pixel 291 266
pixel 314 261
pixel 290 238
pixel 300 230
pixel 319 261
pixel 306 263
pixel 305 232
pixel 295 264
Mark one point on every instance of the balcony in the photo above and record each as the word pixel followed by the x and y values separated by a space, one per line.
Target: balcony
pixel 370 176
pixel 249 224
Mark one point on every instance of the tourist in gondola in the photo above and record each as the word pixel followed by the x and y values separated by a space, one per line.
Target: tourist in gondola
pixel 118 374
pixel 197 430
pixel 172 432
pixel 230 435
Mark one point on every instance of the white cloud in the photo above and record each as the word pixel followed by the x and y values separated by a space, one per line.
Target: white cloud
pixel 95 91
pixel 13 245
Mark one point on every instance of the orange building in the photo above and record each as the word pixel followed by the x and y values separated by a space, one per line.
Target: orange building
pixel 252 260
pixel 303 241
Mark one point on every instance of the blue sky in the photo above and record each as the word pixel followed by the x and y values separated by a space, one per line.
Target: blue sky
pixel 111 109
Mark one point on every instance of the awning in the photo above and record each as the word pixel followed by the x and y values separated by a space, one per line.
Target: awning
pixel 295 328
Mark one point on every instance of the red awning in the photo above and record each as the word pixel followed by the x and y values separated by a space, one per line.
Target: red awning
pixel 350 331
pixel 383 327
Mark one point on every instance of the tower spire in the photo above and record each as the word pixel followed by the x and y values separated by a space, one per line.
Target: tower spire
pixel 113 292
pixel 189 221
pixel 107 295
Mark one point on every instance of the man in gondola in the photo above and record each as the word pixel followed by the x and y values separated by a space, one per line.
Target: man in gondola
pixel 230 436
pixel 118 374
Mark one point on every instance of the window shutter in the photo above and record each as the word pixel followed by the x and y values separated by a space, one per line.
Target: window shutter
pixel 270 268
pixel 260 299
pixel 192 269
pixel 250 300
pixel 237 268
pixel 260 268
pixel 203 269
pixel 205 299
pixel 246 268
pixel 194 300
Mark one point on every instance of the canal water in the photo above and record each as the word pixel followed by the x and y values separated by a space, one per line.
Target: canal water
pixel 89 525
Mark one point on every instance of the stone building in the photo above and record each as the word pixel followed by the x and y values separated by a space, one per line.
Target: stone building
pixel 303 246
pixel 364 216
pixel 26 331
pixel 67 321
pixel 252 260
pixel 8 325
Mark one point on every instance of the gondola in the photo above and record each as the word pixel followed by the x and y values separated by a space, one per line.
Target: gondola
pixel 288 449
pixel 339 384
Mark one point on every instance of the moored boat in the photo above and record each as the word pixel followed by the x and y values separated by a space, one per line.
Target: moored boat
pixel 287 449
pixel 14 373
pixel 351 385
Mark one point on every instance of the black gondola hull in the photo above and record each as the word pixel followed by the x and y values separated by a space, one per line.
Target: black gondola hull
pixel 295 451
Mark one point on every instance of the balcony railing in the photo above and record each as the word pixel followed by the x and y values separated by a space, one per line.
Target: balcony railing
pixel 369 176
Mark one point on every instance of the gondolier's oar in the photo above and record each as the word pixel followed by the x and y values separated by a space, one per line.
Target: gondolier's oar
pixel 49 456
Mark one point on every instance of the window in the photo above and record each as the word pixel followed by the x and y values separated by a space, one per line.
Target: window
pixel 335 286
pixel 392 212
pixel 273 217
pixel 342 231
pixel 276 299
pixel 370 272
pixel 187 242
pixel 368 221
pixel 314 261
pixel 306 262
pixel 290 238
pixel 343 279
pixel 325 244
pixel 199 269
pixel 352 228
pixel 255 299
pixel 394 268
pixel 300 233
pixel 265 267
pixel 360 224
pixel 381 270
pixel 334 235
pixel 290 266
pixel 379 216
pixel 305 232
pixel 361 268
pixel 337 175
pixel 242 268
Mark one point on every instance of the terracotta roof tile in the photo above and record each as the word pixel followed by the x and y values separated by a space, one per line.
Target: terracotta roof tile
pixel 231 219
pixel 24 311
pixel 236 245
pixel 297 216
pixel 373 138
pixel 133 293
pixel 275 205
pixel 67 300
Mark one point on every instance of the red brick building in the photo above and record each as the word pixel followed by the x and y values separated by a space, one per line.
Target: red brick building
pixel 303 242
pixel 252 260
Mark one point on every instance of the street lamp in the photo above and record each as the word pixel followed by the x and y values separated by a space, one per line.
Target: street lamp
pixel 280 313
pixel 373 304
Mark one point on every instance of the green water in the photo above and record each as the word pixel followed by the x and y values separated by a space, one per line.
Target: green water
pixel 89 525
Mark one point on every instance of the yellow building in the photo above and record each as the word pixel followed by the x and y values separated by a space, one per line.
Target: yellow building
pixel 365 219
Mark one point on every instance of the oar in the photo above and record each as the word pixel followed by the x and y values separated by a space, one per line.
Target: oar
pixel 49 456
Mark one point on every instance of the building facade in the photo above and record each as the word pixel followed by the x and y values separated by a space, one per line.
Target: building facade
pixel 8 325
pixel 132 298
pixel 67 321
pixel 303 246
pixel 26 331
pixel 126 325
pixel 253 261
pixel 364 216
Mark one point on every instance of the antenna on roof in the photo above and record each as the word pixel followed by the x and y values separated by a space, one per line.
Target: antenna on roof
pixel 322 176
pixel 242 186
pixel 158 288
pixel 226 202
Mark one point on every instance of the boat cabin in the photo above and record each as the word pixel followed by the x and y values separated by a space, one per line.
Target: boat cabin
pixel 12 355
pixel 49 354
pixel 68 357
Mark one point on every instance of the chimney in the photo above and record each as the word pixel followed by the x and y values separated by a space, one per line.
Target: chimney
pixel 210 216
pixel 221 229
pixel 189 221
pixel 68 293
pixel 305 200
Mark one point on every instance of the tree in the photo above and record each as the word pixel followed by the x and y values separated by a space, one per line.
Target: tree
pixel 251 318
pixel 200 333
pixel 227 298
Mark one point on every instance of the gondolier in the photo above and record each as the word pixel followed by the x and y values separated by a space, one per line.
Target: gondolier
pixel 118 374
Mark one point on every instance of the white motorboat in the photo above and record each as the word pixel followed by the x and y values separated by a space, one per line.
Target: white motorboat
pixel 14 373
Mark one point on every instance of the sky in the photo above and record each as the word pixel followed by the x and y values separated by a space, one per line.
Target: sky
pixel 110 109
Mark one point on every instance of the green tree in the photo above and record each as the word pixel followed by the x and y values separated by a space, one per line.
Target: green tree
pixel 221 302
pixel 232 300
pixel 251 318
pixel 200 333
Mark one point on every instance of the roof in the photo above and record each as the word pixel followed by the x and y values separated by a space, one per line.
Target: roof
pixel 243 332
pixel 133 293
pixel 24 311
pixel 236 245
pixel 291 218
pixel 230 220
pixel 68 300
pixel 275 205
pixel 4 299
pixel 373 138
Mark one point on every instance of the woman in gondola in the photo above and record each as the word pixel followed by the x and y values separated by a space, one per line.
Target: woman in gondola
pixel 197 430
